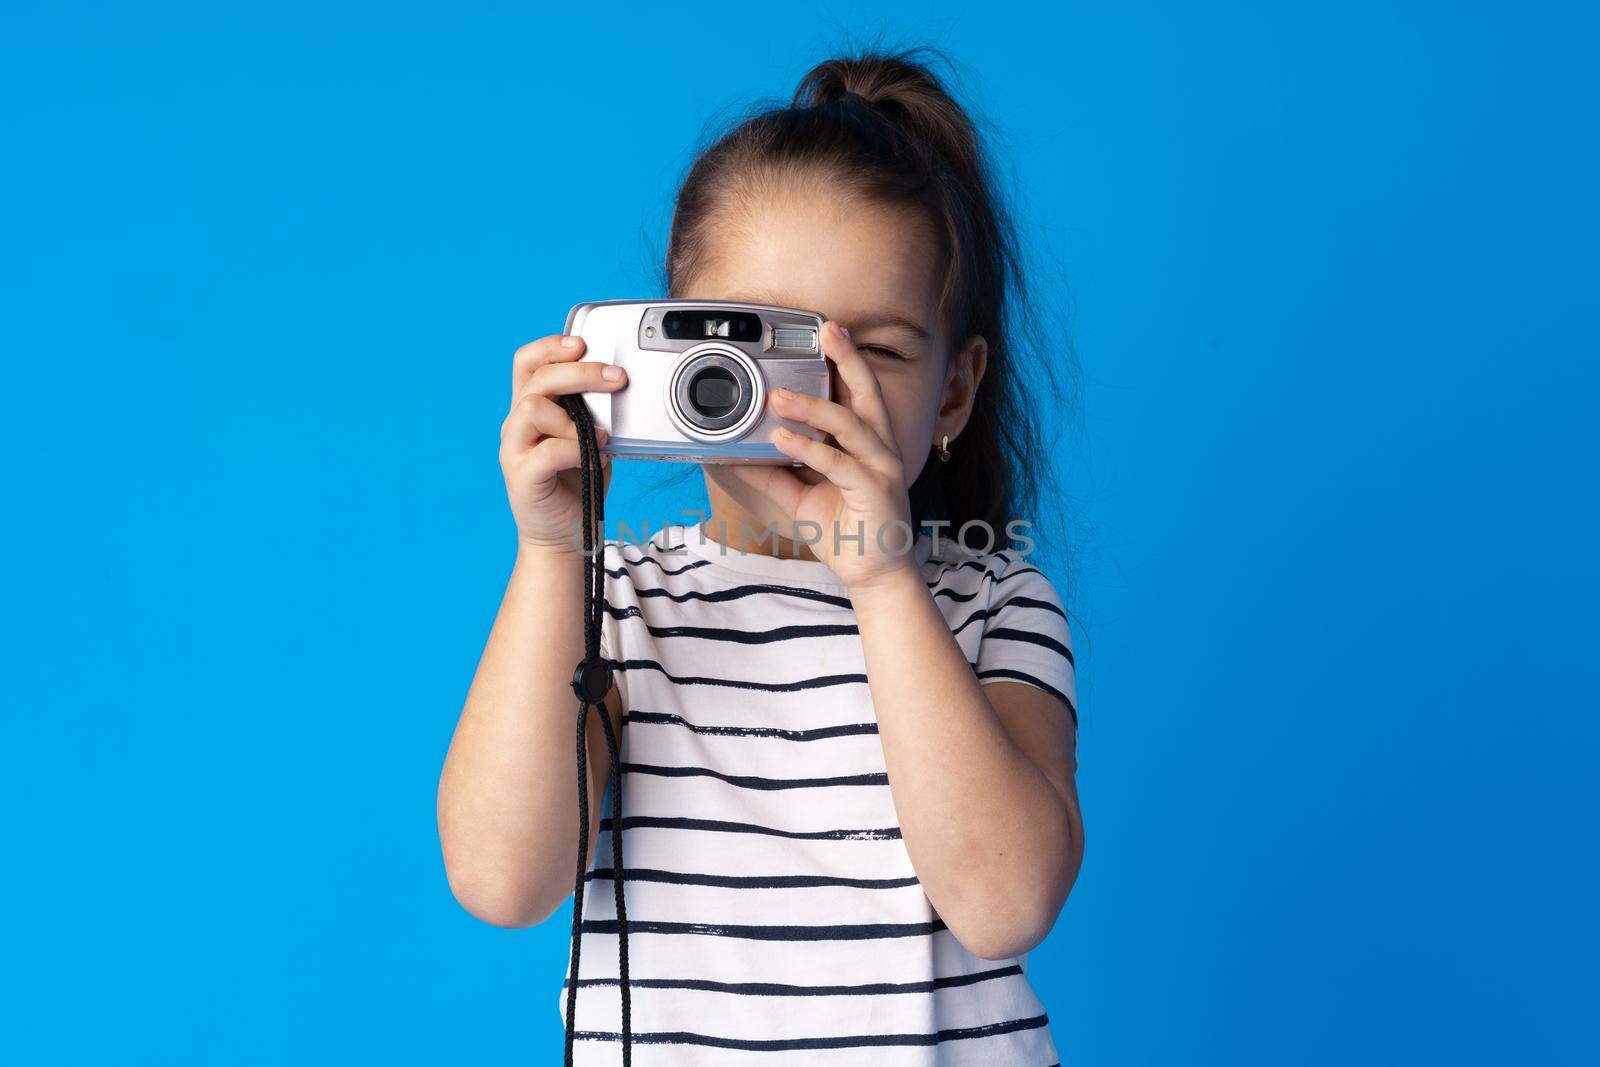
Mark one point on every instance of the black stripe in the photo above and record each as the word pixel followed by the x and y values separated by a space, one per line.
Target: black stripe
pixel 621 572
pixel 785 633
pixel 752 637
pixel 795 633
pixel 1019 601
pixel 739 592
pixel 949 571
pixel 956 565
pixel 779 989
pixel 1005 633
pixel 750 781
pixel 644 547
pixel 952 568
pixel 1006 672
pixel 681 1037
pixel 665 822
pixel 976 616
pixel 1006 577
pixel 824 682
pixel 822 732
pixel 981 564
pixel 842 932
pixel 729 881
pixel 983 567
pixel 1030 602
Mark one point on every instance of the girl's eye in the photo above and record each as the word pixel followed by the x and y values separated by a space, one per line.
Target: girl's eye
pixel 889 352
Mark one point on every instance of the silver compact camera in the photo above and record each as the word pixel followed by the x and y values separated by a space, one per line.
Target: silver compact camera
pixel 698 376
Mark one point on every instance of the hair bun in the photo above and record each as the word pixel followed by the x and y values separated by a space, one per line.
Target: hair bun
pixel 903 90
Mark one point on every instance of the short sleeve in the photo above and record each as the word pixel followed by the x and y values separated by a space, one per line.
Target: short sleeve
pixel 1025 636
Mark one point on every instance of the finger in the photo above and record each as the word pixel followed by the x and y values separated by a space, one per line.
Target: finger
pixel 838 467
pixel 551 456
pixel 535 416
pixel 556 348
pixel 562 379
pixel 847 428
pixel 866 399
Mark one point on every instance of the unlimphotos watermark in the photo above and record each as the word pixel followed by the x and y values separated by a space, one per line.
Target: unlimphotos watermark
pixel 895 537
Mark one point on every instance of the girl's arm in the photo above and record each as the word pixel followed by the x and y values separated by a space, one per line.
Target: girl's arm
pixel 982 775
pixel 508 806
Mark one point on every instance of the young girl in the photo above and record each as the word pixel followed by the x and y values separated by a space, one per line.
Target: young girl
pixel 849 807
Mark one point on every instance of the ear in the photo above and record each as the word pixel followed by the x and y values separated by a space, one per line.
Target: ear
pixel 961 380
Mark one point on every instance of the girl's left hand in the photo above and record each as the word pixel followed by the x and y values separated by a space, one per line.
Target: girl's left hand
pixel 864 488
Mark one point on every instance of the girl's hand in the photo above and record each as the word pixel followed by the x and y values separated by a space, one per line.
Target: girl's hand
pixel 539 443
pixel 864 487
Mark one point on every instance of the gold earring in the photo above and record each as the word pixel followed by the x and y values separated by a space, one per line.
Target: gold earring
pixel 944 449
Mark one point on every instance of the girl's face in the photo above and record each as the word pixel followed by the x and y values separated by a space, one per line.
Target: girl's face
pixel 873 269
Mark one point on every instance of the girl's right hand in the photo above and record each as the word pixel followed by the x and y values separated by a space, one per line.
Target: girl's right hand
pixel 539 443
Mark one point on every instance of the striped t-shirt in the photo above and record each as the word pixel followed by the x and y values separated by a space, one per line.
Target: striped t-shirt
pixel 773 913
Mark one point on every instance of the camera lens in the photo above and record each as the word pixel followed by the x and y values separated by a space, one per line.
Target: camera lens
pixel 714 392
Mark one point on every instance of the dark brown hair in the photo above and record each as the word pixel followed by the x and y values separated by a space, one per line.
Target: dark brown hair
pixel 883 126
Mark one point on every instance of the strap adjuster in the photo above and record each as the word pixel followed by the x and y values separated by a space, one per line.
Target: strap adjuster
pixel 592 680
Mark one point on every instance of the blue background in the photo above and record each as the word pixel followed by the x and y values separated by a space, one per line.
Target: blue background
pixel 1331 272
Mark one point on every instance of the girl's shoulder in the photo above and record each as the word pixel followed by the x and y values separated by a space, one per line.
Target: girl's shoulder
pixel 659 551
pixel 1020 619
pixel 949 564
pixel 648 557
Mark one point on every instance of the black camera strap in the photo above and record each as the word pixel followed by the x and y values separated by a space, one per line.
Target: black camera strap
pixel 591 681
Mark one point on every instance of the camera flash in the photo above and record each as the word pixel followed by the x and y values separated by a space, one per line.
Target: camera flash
pixel 802 339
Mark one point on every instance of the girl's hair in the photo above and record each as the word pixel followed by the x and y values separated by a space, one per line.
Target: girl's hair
pixel 882 126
